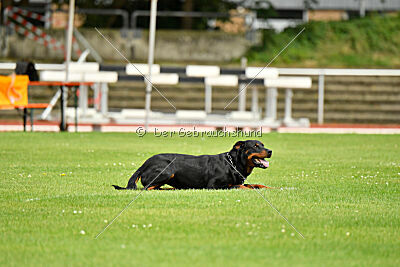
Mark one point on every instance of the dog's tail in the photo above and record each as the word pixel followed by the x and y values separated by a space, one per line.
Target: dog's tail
pixel 117 187
pixel 132 182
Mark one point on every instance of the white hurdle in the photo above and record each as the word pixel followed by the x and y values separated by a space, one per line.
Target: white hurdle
pixel 141 69
pixel 165 78
pixel 211 75
pixel 83 72
pixel 259 73
pixel 222 80
pixel 202 71
pixel 288 83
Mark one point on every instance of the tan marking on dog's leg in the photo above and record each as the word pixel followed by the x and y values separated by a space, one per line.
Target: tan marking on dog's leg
pixel 153 187
pixel 137 179
pixel 256 186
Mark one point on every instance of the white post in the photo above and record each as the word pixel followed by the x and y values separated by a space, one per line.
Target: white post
pixel 242 87
pixel 152 36
pixel 271 102
pixel 254 101
pixel 242 97
pixel 321 84
pixel 362 8
pixel 104 98
pixel 305 15
pixel 83 99
pixel 96 96
pixel 208 98
pixel 288 106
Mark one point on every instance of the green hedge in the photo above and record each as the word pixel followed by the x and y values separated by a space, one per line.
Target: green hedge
pixel 373 41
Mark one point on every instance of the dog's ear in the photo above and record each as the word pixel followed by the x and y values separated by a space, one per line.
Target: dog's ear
pixel 238 145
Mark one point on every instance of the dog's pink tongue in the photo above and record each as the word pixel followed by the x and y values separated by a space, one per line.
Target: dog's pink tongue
pixel 265 163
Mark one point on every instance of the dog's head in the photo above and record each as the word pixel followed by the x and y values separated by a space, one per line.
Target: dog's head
pixel 251 154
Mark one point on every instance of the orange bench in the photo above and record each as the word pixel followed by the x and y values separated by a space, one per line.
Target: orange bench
pixel 14 95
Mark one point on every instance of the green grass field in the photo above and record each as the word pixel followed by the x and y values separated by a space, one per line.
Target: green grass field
pixel 340 191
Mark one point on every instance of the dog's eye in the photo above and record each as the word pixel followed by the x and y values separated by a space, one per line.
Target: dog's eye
pixel 256 145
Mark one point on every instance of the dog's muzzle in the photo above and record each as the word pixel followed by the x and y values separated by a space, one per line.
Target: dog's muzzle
pixel 260 162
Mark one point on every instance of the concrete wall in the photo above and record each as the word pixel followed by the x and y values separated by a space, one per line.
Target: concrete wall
pixel 180 46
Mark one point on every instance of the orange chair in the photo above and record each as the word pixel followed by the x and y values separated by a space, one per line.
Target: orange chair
pixel 14 95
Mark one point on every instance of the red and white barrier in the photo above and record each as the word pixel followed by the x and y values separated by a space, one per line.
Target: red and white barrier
pixel 29 14
pixel 33 32
pixel 39 37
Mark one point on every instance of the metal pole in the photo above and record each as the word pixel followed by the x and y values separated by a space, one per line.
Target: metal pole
pixel 47 15
pixel 62 100
pixel 25 118
pixel 242 87
pixel 321 84
pixel 152 36
pixel 64 94
pixel 69 37
pixel 76 108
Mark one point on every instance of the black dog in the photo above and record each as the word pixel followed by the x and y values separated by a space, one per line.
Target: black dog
pixel 222 171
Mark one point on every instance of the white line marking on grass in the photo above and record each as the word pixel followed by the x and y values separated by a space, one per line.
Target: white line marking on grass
pixel 144 189
pixel 272 206
pixel 280 52
pixel 144 76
